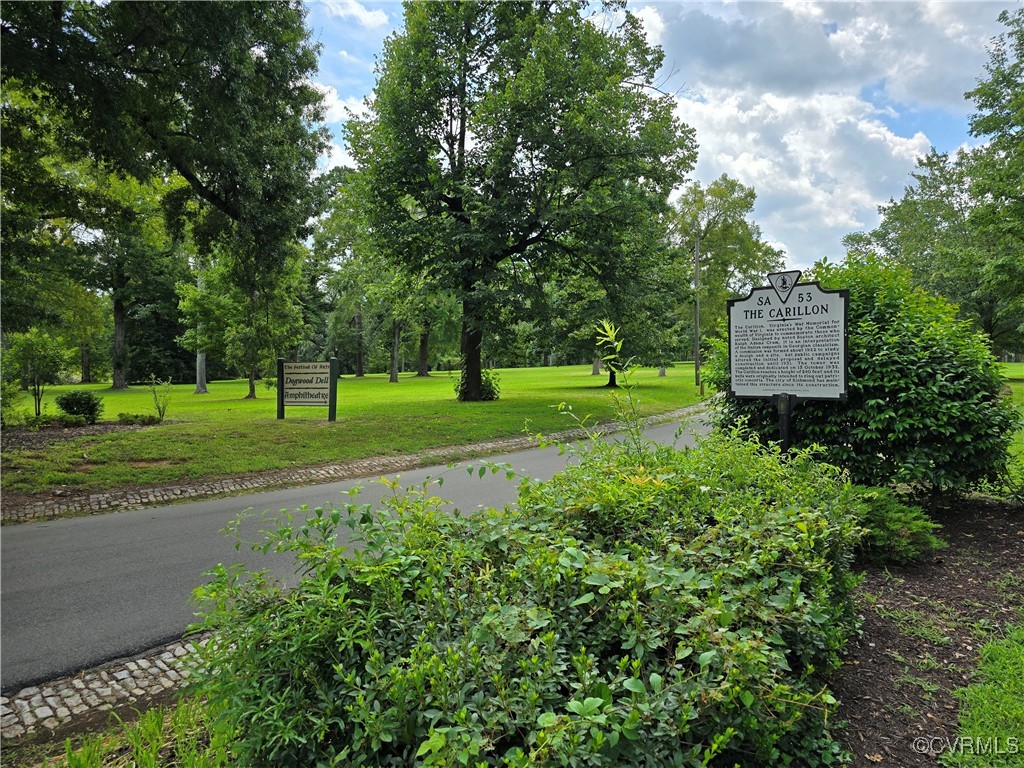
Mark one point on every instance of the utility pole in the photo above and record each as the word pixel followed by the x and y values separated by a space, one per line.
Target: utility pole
pixel 696 312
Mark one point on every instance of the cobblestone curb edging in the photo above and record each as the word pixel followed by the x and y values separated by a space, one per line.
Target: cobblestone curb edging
pixel 123 500
pixel 57 703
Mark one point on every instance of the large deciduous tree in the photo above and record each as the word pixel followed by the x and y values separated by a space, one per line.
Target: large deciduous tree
pixel 218 93
pixel 513 138
pixel 713 224
pixel 999 101
pixel 940 229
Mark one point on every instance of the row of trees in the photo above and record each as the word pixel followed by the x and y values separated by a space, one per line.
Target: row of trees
pixel 163 207
pixel 509 194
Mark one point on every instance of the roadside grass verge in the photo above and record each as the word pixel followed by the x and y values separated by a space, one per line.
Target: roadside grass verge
pixel 222 434
pixel 992 714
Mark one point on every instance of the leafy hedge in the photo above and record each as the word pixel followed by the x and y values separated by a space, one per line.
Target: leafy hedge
pixel 646 607
pixel 925 406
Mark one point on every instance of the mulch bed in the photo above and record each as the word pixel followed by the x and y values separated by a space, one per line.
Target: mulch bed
pixel 20 438
pixel 923 627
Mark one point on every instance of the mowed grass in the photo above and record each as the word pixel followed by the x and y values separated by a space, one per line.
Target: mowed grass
pixel 222 434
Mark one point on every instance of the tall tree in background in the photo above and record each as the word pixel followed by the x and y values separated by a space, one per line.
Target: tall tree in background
pixel 513 136
pixel 48 204
pixel 247 329
pixel 959 226
pixel 999 170
pixel 939 230
pixel 999 101
pixel 715 221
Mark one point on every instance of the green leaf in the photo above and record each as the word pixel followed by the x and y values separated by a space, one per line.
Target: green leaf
pixel 436 742
pixel 705 658
pixel 588 597
pixel 635 685
pixel 546 720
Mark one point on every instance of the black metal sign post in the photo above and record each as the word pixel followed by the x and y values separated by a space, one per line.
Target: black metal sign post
pixel 308 384
pixel 784 403
pixel 788 343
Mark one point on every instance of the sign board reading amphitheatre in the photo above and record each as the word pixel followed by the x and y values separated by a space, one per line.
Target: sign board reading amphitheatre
pixel 307 384
pixel 789 338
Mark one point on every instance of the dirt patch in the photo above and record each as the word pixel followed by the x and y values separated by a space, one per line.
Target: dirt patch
pixel 139 463
pixel 21 438
pixel 923 627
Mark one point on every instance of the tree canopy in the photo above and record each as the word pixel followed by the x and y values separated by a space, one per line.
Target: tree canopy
pixel 514 140
pixel 218 93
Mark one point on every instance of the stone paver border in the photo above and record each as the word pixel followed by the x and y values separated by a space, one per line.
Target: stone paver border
pixel 139 498
pixel 52 705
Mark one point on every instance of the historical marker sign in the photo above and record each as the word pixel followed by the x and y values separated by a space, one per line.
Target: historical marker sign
pixel 789 338
pixel 307 384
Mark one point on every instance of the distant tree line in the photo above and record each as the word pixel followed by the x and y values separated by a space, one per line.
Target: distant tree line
pixel 164 212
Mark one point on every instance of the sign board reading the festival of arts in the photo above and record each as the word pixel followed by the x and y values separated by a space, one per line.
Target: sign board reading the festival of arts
pixel 789 338
pixel 307 384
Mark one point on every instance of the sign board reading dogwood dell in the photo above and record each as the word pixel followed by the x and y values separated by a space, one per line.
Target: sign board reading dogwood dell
pixel 789 338
pixel 306 384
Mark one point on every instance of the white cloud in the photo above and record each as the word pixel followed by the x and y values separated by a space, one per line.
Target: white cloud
pixel 352 9
pixel 654 25
pixel 820 166
pixel 336 108
pixel 823 107
pixel 337 157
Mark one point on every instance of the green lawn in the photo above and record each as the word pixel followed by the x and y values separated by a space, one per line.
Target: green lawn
pixel 222 434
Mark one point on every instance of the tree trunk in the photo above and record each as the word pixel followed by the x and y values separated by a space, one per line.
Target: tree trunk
pixel 360 371
pixel 612 382
pixel 423 364
pixel 201 374
pixel 86 367
pixel 547 359
pixel 200 355
pixel 596 371
pixel 471 344
pixel 252 385
pixel 119 352
pixel 662 371
pixel 396 343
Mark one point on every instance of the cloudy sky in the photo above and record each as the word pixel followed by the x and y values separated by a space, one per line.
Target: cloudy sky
pixel 822 107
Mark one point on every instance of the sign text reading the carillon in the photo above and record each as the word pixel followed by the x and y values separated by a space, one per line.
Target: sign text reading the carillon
pixel 789 338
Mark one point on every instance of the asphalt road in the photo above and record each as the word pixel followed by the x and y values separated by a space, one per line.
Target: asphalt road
pixel 76 593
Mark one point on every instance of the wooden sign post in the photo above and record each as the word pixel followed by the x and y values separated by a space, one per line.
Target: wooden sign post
pixel 304 384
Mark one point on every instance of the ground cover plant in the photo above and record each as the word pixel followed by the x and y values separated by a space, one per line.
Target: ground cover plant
pixel 223 434
pixel 690 627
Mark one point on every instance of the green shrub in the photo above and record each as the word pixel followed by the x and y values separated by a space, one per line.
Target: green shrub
pixel 690 629
pixel 896 532
pixel 81 403
pixel 51 420
pixel 924 405
pixel 10 395
pixel 145 419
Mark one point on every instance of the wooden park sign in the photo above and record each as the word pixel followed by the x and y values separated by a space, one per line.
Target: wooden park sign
pixel 788 342
pixel 306 384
